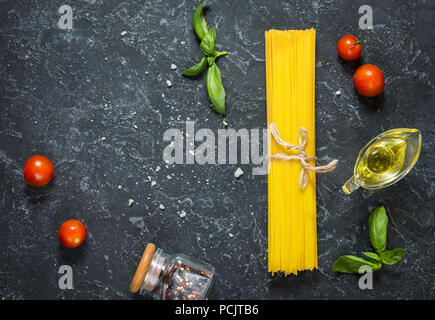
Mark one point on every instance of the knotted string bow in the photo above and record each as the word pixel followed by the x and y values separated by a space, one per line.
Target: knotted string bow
pixel 302 156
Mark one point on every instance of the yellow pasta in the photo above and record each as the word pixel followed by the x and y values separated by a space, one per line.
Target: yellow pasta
pixel 290 75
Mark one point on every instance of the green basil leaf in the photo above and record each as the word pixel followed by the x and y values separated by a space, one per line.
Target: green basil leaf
pixel 199 23
pixel 378 222
pixel 393 256
pixel 196 69
pixel 372 255
pixel 208 43
pixel 215 89
pixel 351 264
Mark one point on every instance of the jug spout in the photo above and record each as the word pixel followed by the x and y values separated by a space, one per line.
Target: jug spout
pixel 410 135
pixel 350 186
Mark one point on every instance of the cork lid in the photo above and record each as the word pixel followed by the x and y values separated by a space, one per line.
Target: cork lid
pixel 142 268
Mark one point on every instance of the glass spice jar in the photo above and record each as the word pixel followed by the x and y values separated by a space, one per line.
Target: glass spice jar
pixel 171 277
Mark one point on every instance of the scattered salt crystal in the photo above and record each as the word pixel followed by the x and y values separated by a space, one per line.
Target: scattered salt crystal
pixel 173 67
pixel 119 187
pixel 231 235
pixel 169 83
pixel 183 42
pixel 158 169
pixel 168 177
pixel 130 202
pixel 337 93
pixel 182 214
pixel 123 33
pixel 162 207
pixel 225 123
pixel 238 173
pixel 103 138
pixel 153 183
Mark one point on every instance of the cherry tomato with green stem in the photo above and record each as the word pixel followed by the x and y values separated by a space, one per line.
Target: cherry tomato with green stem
pixel 349 47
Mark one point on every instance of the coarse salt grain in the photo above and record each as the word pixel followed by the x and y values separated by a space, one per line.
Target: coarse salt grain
pixel 238 173
pixel 169 83
pixel 173 67
pixel 130 202
pixel 162 207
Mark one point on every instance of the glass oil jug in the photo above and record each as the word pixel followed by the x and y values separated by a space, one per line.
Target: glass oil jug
pixel 385 160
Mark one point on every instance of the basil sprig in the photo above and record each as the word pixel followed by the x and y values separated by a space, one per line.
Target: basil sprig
pixel 378 222
pixel 215 89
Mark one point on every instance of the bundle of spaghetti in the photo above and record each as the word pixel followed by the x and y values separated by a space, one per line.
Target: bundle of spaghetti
pixel 290 75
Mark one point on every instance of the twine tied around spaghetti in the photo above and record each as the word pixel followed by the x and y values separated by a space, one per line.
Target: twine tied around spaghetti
pixel 303 157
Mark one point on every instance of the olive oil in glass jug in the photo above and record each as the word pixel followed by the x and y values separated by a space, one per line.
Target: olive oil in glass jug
pixel 385 160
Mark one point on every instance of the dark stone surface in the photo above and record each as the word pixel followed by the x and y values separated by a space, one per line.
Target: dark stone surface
pixel 96 103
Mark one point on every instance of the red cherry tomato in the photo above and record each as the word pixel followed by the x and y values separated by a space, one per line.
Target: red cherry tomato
pixel 72 233
pixel 369 80
pixel 349 48
pixel 38 171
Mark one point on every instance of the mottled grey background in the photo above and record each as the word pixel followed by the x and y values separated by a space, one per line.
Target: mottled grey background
pixel 96 103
